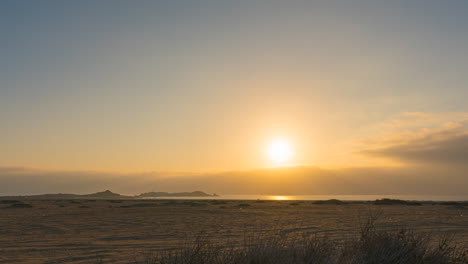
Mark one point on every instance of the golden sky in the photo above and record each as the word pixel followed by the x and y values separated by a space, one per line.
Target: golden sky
pixel 209 87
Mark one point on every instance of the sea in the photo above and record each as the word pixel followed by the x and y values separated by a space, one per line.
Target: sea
pixel 326 197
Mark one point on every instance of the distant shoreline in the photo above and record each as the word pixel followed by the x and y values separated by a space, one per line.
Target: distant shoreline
pixel 199 195
pixel 107 195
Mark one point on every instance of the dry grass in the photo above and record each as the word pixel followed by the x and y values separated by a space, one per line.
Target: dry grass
pixel 401 247
pixel 255 249
pixel 58 231
pixel 371 247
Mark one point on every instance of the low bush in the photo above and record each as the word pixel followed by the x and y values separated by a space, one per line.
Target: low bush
pixel 9 201
pixel 20 205
pixel 454 203
pixel 387 201
pixel 331 201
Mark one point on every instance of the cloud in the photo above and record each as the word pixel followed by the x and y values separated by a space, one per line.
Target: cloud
pixel 451 150
pixel 420 139
pixel 434 154
pixel 407 120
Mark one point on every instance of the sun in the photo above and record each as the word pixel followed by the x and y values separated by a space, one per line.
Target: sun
pixel 280 151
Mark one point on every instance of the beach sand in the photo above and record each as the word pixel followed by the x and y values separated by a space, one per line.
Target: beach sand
pixel 84 231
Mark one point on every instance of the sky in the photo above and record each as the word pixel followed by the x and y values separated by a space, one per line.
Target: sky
pixel 201 89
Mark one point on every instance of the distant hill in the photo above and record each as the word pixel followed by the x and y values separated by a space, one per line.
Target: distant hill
pixel 106 195
pixel 99 195
pixel 179 194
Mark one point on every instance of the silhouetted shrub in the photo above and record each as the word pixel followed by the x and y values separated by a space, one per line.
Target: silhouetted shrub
pixel 9 201
pixel 218 202
pixel 331 201
pixel 139 205
pixel 454 203
pixel 20 205
pixel 387 201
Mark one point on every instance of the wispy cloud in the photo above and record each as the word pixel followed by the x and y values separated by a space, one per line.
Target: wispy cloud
pixel 422 138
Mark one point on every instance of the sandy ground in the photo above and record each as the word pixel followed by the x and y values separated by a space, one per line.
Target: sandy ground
pixel 124 231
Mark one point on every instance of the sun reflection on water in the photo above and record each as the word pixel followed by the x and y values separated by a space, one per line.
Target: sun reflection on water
pixel 279 198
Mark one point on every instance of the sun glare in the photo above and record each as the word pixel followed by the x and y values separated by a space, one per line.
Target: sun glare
pixel 279 198
pixel 280 151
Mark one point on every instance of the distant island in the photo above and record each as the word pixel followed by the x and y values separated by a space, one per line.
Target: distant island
pixel 108 195
pixel 179 194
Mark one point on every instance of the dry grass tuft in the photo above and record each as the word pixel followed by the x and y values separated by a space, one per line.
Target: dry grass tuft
pixel 371 247
pixel 402 247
